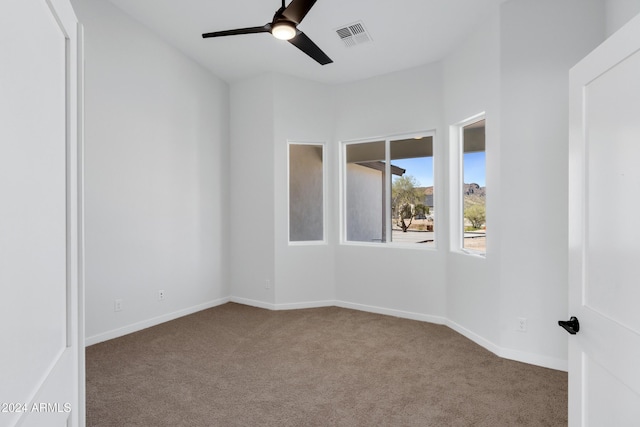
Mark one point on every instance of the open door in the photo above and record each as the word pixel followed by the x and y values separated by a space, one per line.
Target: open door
pixel 40 216
pixel 604 234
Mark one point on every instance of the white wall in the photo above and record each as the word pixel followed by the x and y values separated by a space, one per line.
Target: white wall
pixel 539 42
pixel 281 108
pixel 515 68
pixel 472 86
pixel 304 274
pixel 619 12
pixel 407 282
pixel 156 177
pixel 250 213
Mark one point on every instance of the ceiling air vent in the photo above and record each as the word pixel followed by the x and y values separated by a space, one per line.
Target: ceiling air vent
pixel 353 34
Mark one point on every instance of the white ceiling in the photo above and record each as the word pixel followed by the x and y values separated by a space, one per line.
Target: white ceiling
pixel 405 33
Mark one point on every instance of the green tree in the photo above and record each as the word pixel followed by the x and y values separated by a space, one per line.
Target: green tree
pixel 476 215
pixel 406 201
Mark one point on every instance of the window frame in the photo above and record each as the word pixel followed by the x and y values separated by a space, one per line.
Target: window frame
pixel 388 139
pixel 323 147
pixel 456 185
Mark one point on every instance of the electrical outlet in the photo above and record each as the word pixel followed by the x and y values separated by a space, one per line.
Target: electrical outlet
pixel 161 295
pixel 117 305
pixel 522 324
pixel 267 284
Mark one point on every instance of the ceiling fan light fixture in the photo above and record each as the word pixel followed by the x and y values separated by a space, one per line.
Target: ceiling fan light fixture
pixel 284 26
pixel 284 30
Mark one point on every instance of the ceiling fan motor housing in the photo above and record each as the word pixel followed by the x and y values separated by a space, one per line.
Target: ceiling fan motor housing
pixel 283 29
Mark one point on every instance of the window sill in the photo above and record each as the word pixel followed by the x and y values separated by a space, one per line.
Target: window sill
pixel 395 245
pixel 309 243
pixel 470 252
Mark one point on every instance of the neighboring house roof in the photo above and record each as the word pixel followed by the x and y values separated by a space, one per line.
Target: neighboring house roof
pixel 395 170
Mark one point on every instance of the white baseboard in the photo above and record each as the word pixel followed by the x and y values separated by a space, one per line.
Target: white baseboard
pixel 253 303
pixel 343 304
pixel 391 312
pixel 284 306
pixel 506 353
pixel 478 339
pixel 534 359
pixel 135 327
pixel 307 304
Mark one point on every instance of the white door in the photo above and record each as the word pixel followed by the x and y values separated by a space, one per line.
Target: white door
pixel 40 219
pixel 604 233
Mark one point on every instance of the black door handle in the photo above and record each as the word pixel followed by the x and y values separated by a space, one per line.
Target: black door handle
pixel 572 325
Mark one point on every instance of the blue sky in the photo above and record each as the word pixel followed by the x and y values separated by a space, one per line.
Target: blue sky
pixel 422 169
pixel 474 168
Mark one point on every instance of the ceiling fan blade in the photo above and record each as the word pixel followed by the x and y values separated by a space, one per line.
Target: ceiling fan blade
pixel 250 30
pixel 297 10
pixel 304 43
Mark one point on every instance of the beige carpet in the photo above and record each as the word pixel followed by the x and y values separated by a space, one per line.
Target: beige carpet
pixel 235 365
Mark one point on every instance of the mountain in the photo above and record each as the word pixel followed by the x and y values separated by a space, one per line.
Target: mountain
pixel 469 190
pixel 474 190
pixel 473 194
pixel 428 191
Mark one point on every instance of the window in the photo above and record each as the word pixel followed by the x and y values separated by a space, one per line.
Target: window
pixel 388 190
pixel 471 188
pixel 306 192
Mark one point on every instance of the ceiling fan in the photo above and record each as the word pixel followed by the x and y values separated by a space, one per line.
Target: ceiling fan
pixel 284 27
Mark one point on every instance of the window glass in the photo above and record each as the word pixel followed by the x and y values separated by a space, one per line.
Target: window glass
pixel 306 192
pixel 412 202
pixel 365 192
pixel 474 187
pixel 389 191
